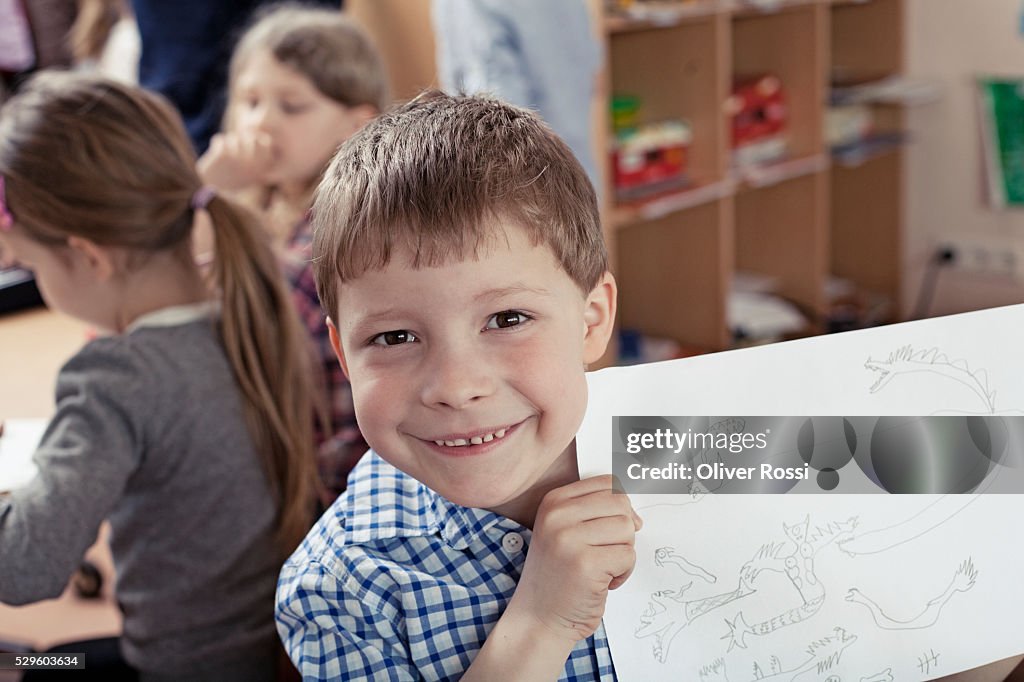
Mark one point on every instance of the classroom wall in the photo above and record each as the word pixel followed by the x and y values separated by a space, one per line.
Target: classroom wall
pixel 402 32
pixel 950 41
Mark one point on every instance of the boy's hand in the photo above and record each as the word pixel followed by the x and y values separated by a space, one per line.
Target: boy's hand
pixel 582 547
pixel 235 162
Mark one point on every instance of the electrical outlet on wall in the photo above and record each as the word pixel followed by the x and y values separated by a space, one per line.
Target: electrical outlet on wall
pixel 984 255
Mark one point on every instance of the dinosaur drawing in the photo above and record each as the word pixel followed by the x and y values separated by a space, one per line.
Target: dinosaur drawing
pixel 923 521
pixel 963 580
pixel 797 563
pixel 906 361
pixel 822 655
pixel 669 611
pixel 667 556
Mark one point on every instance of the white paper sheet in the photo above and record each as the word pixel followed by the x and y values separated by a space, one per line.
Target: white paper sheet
pixel 870 588
pixel 17 445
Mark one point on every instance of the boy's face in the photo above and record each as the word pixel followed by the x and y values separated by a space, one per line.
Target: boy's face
pixel 470 376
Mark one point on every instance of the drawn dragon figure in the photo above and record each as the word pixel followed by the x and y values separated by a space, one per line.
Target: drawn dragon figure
pixel 797 563
pixel 669 611
pixel 667 556
pixel 906 361
pixel 962 581
pixel 822 656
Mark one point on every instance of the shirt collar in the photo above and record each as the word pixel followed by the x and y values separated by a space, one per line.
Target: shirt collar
pixel 175 315
pixel 384 502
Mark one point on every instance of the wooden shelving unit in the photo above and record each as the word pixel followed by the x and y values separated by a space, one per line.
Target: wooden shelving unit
pixel 798 220
pixel 867 197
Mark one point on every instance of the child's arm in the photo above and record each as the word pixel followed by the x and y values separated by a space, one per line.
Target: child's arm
pixel 330 626
pixel 87 454
pixel 582 547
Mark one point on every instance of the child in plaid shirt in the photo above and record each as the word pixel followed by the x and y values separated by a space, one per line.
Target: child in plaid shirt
pixel 460 240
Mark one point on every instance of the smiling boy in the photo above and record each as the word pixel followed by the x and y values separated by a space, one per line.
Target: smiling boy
pixel 461 242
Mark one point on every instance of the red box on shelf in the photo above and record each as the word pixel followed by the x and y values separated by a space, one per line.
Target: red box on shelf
pixel 650 159
pixel 759 115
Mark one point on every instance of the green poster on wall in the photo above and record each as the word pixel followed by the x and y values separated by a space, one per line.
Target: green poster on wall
pixel 1002 125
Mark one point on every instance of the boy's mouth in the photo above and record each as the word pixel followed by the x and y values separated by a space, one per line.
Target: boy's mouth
pixel 473 442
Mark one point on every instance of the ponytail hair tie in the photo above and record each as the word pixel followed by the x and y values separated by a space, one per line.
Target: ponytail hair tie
pixel 6 219
pixel 202 197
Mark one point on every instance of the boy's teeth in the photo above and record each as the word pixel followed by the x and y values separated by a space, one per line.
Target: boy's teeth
pixel 475 440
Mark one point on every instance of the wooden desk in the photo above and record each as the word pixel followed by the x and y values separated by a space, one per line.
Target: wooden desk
pixel 33 346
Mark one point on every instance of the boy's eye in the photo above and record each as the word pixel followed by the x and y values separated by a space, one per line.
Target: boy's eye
pixel 506 319
pixel 395 338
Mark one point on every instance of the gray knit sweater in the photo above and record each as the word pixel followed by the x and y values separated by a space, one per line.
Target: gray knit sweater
pixel 149 433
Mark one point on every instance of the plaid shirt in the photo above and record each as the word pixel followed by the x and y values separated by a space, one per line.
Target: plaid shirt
pixel 342 445
pixel 397 583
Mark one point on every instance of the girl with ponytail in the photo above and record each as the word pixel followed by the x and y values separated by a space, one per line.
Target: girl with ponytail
pixel 189 426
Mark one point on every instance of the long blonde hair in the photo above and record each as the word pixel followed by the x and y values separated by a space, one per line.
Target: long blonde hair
pixel 87 156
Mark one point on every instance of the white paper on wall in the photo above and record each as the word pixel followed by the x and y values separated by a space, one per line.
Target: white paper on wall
pixel 860 587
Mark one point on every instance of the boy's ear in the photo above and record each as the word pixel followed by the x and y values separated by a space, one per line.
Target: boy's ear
pixel 599 318
pixel 99 260
pixel 332 332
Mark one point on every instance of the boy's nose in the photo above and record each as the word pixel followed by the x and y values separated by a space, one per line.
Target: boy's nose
pixel 456 380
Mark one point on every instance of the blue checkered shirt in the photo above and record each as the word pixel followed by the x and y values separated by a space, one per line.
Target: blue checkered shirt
pixel 396 583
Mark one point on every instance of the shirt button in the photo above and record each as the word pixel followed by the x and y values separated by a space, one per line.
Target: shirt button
pixel 512 542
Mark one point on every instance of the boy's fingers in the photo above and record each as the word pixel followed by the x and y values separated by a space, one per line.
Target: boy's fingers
pixel 608 530
pixel 582 487
pixel 619 580
pixel 594 505
pixel 620 562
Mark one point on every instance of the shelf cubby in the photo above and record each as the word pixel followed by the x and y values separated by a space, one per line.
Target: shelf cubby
pixel 673 274
pixel 779 233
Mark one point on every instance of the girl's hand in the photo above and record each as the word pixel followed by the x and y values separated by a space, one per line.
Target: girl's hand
pixel 235 161
pixel 582 547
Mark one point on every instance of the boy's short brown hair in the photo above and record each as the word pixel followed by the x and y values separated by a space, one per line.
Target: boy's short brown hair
pixel 323 45
pixel 434 175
